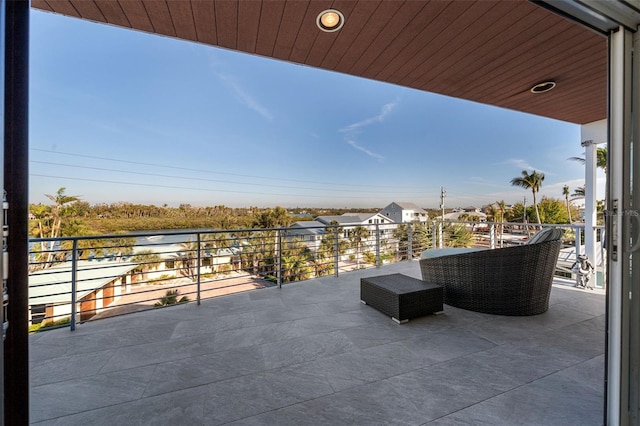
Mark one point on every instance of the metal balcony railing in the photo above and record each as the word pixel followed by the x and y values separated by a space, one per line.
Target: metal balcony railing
pixel 77 279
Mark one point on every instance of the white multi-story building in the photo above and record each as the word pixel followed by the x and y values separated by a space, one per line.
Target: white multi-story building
pixel 401 212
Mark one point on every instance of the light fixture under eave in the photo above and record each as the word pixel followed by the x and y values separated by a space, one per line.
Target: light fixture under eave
pixel 543 87
pixel 330 20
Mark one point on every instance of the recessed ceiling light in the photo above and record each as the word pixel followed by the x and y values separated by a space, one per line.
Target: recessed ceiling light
pixel 543 87
pixel 330 20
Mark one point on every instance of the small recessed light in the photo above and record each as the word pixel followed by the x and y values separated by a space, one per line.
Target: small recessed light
pixel 330 20
pixel 543 87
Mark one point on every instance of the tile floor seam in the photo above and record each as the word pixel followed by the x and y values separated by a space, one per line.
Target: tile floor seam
pixel 103 350
pixel 511 389
pixel 463 355
pixel 110 406
pixel 106 362
pixel 146 386
pixel 571 308
pixel 156 365
pixel 287 406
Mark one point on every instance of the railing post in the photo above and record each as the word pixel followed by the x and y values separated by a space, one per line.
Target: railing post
pixel 409 241
pixel 492 236
pixel 434 235
pixel 279 257
pixel 440 237
pixel 336 252
pixel 198 265
pixel 74 283
pixel 602 265
pixel 578 240
pixel 378 245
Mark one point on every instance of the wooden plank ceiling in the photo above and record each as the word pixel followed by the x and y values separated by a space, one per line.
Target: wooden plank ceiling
pixel 489 51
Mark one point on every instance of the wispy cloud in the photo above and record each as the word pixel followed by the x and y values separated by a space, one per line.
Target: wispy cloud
pixel 478 180
pixel 365 150
pixel 352 130
pixel 245 97
pixel 386 109
pixel 520 163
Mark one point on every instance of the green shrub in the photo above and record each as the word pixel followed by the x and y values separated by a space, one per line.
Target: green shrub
pixel 170 298
pixel 49 324
pixel 224 268
pixel 162 277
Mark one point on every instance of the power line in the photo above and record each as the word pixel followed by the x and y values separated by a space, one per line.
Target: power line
pixel 193 189
pixel 214 180
pixel 207 171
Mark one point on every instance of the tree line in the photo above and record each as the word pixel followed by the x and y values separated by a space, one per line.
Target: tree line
pixel 533 181
pixel 68 215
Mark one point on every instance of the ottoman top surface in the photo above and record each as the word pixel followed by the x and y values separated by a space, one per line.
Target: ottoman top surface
pixel 400 283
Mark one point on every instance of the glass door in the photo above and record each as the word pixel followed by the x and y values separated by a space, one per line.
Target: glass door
pixel 623 229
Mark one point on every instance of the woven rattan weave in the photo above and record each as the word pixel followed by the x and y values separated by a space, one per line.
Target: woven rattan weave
pixel 507 281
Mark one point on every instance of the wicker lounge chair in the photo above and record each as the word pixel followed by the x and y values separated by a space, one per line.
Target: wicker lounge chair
pixel 506 281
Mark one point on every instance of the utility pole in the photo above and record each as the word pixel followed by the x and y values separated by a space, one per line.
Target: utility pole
pixel 442 195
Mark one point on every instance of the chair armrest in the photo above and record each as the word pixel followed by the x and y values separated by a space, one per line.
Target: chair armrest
pixel 433 253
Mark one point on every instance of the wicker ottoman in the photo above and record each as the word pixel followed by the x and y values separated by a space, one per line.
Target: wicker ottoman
pixel 401 297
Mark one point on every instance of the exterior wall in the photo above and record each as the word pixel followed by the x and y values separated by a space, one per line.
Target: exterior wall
pixel 60 311
pixel 88 306
pixel 108 293
pixel 92 303
pixel 394 212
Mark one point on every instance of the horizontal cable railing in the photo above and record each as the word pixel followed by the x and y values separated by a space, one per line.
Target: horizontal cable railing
pixel 77 279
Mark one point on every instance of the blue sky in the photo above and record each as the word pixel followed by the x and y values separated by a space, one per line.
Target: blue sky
pixel 123 116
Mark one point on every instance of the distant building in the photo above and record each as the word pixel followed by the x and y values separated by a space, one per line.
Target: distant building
pixel 471 214
pixel 352 220
pixel 310 231
pixel 98 284
pixel 401 212
pixel 471 209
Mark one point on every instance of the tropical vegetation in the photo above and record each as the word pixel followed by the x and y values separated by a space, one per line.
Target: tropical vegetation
pixel 171 298
pixel 601 159
pixel 532 181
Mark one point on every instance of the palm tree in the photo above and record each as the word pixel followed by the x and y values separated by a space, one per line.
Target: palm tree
pixel 188 257
pixel 502 207
pixel 331 236
pixel 61 201
pixel 533 182
pixel 565 192
pixel 578 193
pixel 50 220
pixel 170 298
pixel 358 235
pixel 601 159
pixel 146 260
pixel 459 235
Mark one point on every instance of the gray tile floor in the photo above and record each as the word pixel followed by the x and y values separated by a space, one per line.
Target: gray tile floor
pixel 312 354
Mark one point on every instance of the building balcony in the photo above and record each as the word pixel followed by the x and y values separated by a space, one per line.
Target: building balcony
pixel 311 353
